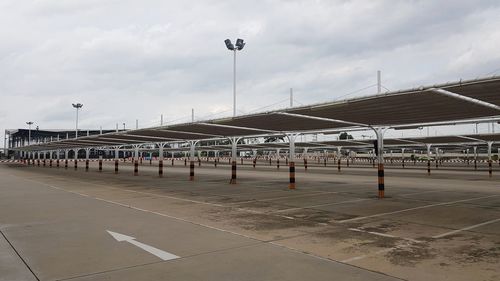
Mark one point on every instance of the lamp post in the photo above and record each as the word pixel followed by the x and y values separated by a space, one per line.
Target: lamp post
pixel 236 47
pixel 29 131
pixel 77 106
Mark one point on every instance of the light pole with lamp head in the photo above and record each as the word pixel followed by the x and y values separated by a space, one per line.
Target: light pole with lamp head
pixel 236 47
pixel 29 131
pixel 77 106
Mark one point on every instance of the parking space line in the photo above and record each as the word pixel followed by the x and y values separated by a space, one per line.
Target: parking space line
pixel 465 228
pixel 321 205
pixel 416 208
pixel 287 197
pixel 422 192
pixel 384 235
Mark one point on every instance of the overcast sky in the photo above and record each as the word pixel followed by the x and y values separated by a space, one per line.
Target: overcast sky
pixel 127 60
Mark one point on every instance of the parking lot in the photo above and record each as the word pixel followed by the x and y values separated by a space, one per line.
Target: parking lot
pixel 57 223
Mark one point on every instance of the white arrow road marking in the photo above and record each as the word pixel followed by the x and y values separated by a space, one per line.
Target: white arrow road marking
pixel 152 250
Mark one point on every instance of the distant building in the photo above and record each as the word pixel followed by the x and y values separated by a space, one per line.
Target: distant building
pixel 19 137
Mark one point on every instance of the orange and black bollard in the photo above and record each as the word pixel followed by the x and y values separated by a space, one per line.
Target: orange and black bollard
pixel 87 165
pixel 38 162
pixel 150 160
pixel 381 181
pixel 50 163
pixel 338 165
pixel 44 162
pixel 76 164
pixel 348 162
pixel 291 165
pixel 172 161
pixel 160 168
pixel 185 162
pixel 65 163
pixel 277 163
pixel 199 162
pixel 403 163
pixel 305 164
pixel 57 163
pixel 116 166
pixel 100 165
pixel 324 162
pixel 490 169
pixel 428 167
pixel 254 162
pixel 233 173
pixel 475 164
pixel 191 170
pixel 215 163
pixel 136 167
pixel 373 163
pixel 270 162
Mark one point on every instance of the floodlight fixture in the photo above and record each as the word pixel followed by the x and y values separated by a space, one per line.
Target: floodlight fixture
pixel 229 45
pixel 240 44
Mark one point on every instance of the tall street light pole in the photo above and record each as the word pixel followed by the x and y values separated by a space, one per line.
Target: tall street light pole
pixel 236 47
pixel 29 131
pixel 77 106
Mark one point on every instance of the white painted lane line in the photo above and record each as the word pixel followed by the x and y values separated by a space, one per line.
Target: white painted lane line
pixel 384 235
pixel 422 192
pixel 465 228
pixel 287 197
pixel 416 208
pixel 320 205
pixel 150 249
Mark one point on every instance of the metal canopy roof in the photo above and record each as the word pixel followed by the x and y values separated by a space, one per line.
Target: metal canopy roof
pixel 443 104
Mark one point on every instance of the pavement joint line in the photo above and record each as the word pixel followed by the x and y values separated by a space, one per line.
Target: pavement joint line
pixel 19 255
pixel 416 208
pixel 465 228
pixel 321 205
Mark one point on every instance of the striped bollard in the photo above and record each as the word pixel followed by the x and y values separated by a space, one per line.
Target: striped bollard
pixel 278 163
pixel 100 165
pixel 76 164
pixel 66 164
pixel 490 168
pixel 50 163
pixel 185 162
pixel 136 167
pixel 86 165
pixel 160 168
pixel 38 162
pixel 305 164
pixel 270 162
pixel 428 167
pixel 291 185
pixel 57 163
pixel 324 162
pixel 338 165
pixel 191 170
pixel 116 166
pixel 475 164
pixel 254 162
pixel 347 162
pixel 199 162
pixel 44 162
pixel 172 161
pixel 381 181
pixel 233 173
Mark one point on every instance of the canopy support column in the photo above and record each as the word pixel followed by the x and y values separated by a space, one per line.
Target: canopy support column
pixel 234 151
pixel 490 168
pixel 428 158
pixel 87 152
